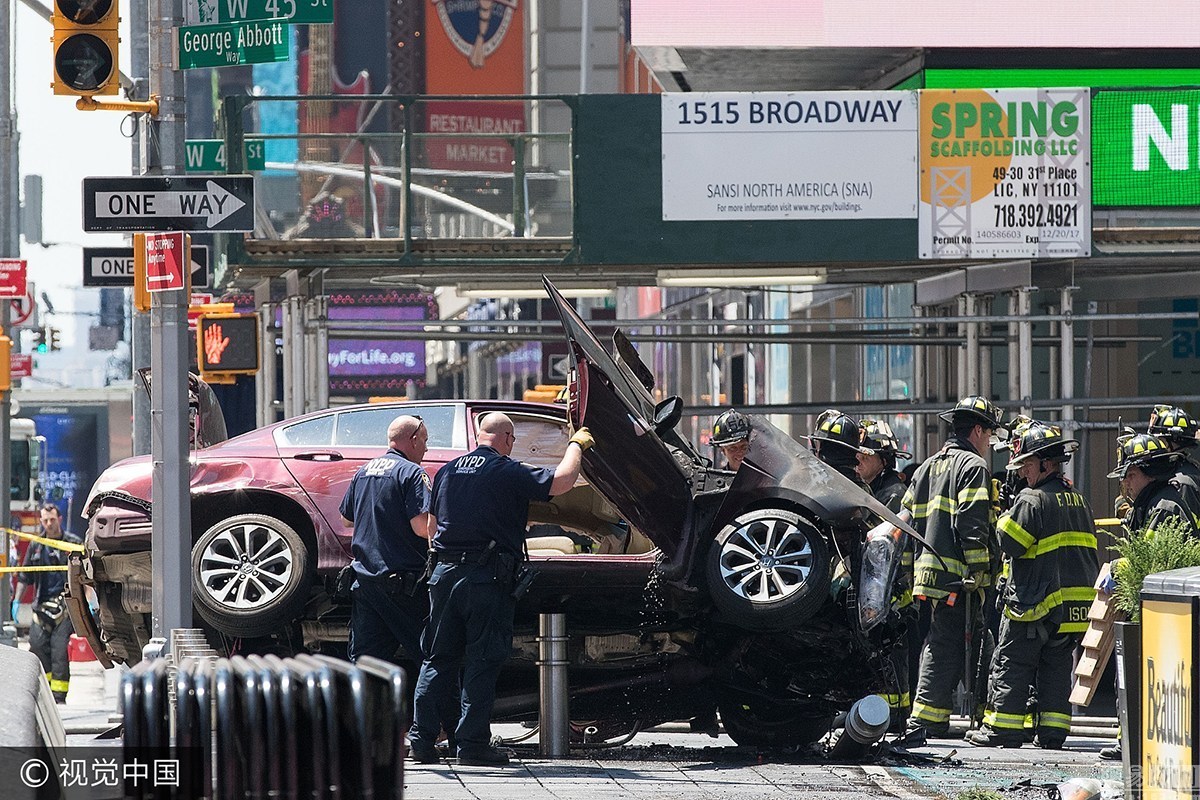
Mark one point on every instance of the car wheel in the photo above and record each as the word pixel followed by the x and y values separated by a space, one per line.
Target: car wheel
pixel 756 722
pixel 250 574
pixel 768 570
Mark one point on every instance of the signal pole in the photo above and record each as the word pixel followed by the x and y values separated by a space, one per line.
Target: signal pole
pixel 171 534
pixel 10 247
pixel 139 66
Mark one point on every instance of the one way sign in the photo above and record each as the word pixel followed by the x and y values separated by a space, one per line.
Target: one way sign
pixel 168 203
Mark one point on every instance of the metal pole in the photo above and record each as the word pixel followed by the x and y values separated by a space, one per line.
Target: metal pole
pixel 139 67
pixel 585 29
pixel 553 691
pixel 918 393
pixel 1014 355
pixel 171 534
pixel 972 347
pixel 1067 368
pixel 321 320
pixel 264 383
pixel 10 247
pixel 1025 337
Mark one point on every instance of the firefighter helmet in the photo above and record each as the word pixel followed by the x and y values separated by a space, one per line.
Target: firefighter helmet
pixel 978 409
pixel 1014 428
pixel 732 426
pixel 1040 440
pixel 1174 425
pixel 1141 450
pixel 878 437
pixel 838 428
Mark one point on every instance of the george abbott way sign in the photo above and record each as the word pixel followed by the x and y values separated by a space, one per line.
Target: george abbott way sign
pixel 168 203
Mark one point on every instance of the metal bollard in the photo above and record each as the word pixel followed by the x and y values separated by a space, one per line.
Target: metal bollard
pixel 554 698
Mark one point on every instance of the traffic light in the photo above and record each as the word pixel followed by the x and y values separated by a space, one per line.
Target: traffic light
pixel 5 363
pixel 85 47
pixel 52 336
pixel 39 340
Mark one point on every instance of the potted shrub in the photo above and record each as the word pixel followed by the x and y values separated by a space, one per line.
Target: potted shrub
pixel 1169 545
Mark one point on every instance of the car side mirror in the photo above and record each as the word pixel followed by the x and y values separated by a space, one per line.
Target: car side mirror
pixel 667 414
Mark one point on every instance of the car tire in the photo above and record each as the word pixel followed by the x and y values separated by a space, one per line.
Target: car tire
pixel 251 574
pixel 757 722
pixel 768 570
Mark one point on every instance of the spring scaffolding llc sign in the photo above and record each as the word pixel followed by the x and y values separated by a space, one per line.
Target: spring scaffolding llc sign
pixel 1005 174
pixel 794 155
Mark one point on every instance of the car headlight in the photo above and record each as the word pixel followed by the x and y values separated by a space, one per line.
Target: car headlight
pixel 882 553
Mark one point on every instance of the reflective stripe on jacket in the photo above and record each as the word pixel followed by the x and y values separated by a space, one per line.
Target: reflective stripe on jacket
pixel 950 501
pixel 1049 539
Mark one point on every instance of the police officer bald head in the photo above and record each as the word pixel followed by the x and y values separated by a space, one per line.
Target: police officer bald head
pixel 408 435
pixel 497 432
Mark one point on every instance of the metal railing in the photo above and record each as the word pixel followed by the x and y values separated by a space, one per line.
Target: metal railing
pixel 409 167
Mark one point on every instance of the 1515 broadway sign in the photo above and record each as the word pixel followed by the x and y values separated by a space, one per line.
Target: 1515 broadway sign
pixel 1005 174
pixel 802 156
pixel 1146 148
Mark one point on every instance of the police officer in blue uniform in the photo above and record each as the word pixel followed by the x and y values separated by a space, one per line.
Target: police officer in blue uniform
pixel 388 504
pixel 481 504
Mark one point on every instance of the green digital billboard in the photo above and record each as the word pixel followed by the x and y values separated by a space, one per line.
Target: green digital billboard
pixel 1146 147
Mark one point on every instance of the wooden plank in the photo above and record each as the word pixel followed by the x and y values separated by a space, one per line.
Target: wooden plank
pixel 1093 638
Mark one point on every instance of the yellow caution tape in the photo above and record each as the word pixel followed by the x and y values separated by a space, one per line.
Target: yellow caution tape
pixel 50 568
pixel 57 544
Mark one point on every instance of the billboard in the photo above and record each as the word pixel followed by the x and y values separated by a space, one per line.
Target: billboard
pixel 915 23
pixel 1144 148
pixel 473 47
pixel 367 365
pixel 789 155
pixel 1005 173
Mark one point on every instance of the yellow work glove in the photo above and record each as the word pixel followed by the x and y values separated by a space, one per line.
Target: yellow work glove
pixel 583 438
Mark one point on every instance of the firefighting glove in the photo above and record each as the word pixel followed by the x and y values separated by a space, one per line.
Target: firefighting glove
pixel 583 438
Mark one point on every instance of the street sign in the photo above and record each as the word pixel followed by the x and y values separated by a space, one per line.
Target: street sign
pixel 113 266
pixel 164 261
pixel 22 308
pixel 291 12
pixel 20 365
pixel 208 155
pixel 168 203
pixel 232 45
pixel 12 277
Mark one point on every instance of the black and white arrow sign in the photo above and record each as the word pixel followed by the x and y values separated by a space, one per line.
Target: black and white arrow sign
pixel 169 203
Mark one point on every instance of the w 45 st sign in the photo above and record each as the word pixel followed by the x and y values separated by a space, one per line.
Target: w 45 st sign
pixel 291 12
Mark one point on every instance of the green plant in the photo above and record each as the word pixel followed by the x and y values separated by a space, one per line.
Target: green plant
pixel 979 793
pixel 1168 545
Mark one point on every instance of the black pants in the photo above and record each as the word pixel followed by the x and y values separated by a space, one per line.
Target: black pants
pixel 50 646
pixel 942 660
pixel 1032 654
pixel 384 619
pixel 470 635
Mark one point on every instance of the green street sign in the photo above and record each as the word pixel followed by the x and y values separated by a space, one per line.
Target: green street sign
pixel 1143 148
pixel 232 45
pixel 289 12
pixel 208 155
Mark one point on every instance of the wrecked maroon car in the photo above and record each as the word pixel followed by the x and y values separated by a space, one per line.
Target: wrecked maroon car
pixel 684 586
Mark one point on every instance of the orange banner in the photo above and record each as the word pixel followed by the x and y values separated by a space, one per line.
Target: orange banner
pixel 474 47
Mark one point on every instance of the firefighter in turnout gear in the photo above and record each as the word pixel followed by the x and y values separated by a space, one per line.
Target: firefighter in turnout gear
pixel 950 503
pixel 1049 543
pixel 1145 466
pixel 837 441
pixel 1181 431
pixel 877 468
pixel 731 433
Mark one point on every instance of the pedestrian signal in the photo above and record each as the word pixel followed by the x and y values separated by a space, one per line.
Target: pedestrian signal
pixel 227 344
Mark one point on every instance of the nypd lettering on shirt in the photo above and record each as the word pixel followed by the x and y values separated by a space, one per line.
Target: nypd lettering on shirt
pixel 378 467
pixel 467 465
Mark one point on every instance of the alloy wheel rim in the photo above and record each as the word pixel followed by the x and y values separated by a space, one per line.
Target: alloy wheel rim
pixel 766 560
pixel 246 566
